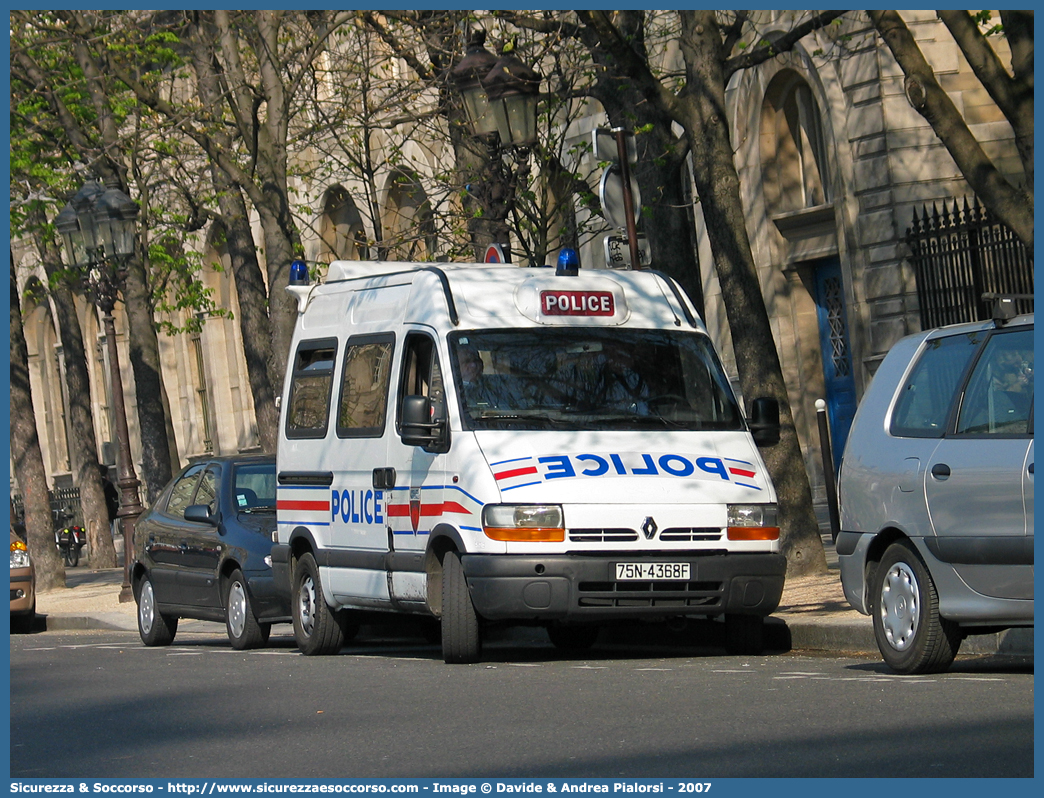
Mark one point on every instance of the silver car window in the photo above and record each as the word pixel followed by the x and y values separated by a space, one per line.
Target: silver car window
pixel 924 401
pixel 1000 391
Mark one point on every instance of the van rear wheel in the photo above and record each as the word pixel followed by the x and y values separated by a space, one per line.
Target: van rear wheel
pixel 461 638
pixel 316 627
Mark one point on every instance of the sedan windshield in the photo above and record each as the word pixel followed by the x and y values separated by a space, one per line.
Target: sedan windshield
pixel 591 379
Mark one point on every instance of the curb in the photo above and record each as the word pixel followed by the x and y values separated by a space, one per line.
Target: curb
pixel 856 636
pixel 111 621
pixel 788 633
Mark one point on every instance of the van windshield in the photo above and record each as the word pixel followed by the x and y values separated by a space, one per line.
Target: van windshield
pixel 591 379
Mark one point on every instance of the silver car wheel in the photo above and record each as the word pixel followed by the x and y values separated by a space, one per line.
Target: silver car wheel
pixel 146 607
pixel 306 605
pixel 237 608
pixel 900 606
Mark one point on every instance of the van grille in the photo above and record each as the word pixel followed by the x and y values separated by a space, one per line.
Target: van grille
pixel 693 534
pixel 650 594
pixel 602 535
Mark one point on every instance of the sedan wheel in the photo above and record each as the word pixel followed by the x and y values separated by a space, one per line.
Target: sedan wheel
pixel 243 629
pixel 154 628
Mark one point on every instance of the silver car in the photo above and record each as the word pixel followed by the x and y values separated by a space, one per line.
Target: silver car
pixel 936 492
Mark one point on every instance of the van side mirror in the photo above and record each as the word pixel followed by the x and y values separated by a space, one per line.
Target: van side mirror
pixel 418 427
pixel 764 421
pixel 200 513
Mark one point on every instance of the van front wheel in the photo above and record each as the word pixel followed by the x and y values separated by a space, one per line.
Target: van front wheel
pixel 743 635
pixel 461 640
pixel 315 626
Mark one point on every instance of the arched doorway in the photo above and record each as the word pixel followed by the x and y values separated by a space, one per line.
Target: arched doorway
pixel 799 198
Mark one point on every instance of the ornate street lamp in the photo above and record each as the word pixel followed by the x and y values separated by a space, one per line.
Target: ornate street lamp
pixel 513 91
pixel 467 77
pixel 500 97
pixel 97 226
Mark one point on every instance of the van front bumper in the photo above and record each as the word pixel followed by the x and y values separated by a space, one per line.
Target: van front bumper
pixel 584 587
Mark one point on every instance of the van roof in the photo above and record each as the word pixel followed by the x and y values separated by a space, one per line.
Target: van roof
pixel 475 293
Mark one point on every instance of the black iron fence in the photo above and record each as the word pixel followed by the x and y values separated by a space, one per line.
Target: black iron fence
pixel 65 506
pixel 959 254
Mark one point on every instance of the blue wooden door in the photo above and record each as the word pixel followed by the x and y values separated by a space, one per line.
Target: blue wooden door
pixel 837 354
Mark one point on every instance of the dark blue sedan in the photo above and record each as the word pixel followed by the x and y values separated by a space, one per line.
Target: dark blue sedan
pixel 203 551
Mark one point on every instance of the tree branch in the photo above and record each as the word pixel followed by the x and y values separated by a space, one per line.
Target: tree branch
pixel 631 63
pixel 782 44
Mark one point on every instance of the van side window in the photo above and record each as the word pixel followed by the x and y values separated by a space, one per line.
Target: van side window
pixel 365 378
pixel 307 414
pixel 924 402
pixel 1000 391
pixel 421 373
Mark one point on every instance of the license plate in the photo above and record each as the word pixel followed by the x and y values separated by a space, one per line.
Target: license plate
pixel 652 571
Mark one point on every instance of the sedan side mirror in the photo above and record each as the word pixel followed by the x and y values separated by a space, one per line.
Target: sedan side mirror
pixel 200 513
pixel 764 421
pixel 418 427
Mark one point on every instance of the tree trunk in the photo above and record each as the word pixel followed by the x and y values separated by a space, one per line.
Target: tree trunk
pixel 83 445
pixel 757 360
pixel 1011 205
pixel 156 470
pixel 83 439
pixel 28 460
pixel 253 321
pixel 242 252
pixel 280 240
pixel 667 220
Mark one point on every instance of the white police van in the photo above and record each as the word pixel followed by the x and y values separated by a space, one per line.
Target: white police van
pixel 518 445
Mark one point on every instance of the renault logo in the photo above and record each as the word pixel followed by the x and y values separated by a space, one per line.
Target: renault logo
pixel 649 527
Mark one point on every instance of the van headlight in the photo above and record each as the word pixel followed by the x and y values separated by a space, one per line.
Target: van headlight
pixel 752 522
pixel 529 523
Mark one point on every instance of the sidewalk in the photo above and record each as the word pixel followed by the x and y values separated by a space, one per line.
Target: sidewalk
pixel 813 614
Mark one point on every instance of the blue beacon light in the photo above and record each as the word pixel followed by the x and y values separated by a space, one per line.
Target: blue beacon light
pixel 568 263
pixel 299 273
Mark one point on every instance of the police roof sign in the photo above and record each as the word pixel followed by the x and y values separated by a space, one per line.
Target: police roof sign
pixel 577 303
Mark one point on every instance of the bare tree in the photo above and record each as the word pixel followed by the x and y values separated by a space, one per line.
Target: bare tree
pixel 91 135
pixel 83 447
pixel 696 102
pixel 261 60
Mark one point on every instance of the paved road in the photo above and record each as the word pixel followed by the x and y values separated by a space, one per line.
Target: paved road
pixel 99 704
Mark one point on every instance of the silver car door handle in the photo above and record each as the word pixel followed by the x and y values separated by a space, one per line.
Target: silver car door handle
pixel 940 471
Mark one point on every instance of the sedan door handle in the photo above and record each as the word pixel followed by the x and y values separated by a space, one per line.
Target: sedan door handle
pixel 940 471
pixel 1030 469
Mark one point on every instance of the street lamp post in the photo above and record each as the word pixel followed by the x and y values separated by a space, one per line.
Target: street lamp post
pixel 500 98
pixel 97 226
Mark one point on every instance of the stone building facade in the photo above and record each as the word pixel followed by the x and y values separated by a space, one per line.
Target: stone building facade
pixel 833 162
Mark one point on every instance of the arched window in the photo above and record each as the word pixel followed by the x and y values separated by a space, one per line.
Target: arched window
pixel 409 224
pixel 341 234
pixel 793 156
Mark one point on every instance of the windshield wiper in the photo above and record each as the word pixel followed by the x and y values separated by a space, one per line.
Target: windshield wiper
pixel 258 508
